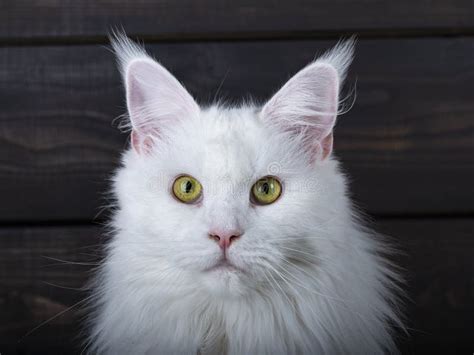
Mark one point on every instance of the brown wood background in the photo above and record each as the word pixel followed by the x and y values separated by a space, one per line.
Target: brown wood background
pixel 408 143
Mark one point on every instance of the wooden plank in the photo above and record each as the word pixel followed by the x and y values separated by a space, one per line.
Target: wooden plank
pixel 440 282
pixel 407 144
pixel 35 287
pixel 437 259
pixel 27 19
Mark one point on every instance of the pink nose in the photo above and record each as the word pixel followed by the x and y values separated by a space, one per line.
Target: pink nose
pixel 225 237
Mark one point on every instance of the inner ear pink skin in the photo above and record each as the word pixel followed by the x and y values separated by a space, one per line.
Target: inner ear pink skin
pixel 155 99
pixel 322 149
pixel 308 104
pixel 141 144
pixel 327 144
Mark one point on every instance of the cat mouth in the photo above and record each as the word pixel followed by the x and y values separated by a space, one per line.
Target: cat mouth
pixel 224 265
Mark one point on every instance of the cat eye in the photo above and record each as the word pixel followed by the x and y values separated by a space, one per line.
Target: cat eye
pixel 187 189
pixel 266 190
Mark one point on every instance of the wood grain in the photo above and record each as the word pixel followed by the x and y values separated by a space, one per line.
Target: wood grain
pixel 440 282
pixel 437 258
pixel 28 19
pixel 407 144
pixel 38 281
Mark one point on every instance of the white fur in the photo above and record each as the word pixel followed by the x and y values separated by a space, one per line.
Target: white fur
pixel 314 279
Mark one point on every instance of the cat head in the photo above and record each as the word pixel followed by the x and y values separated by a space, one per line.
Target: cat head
pixel 228 196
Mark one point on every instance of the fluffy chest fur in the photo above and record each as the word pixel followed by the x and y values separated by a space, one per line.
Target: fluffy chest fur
pixel 227 270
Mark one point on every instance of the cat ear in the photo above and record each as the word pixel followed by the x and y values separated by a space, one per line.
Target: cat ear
pixel 307 105
pixel 155 98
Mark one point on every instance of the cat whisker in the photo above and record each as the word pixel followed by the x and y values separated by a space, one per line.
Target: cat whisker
pixel 301 269
pixel 64 287
pixel 278 285
pixel 87 247
pixel 269 281
pixel 53 318
pixel 68 262
pixel 334 241
pixel 311 256
pixel 338 300
pixel 312 277
pixel 221 84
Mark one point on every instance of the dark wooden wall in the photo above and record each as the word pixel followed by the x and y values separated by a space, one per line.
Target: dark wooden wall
pixel 408 143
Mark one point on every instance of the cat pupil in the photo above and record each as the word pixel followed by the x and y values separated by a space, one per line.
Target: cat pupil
pixel 266 188
pixel 188 187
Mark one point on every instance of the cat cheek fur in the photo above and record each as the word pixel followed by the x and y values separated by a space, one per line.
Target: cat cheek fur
pixel 308 277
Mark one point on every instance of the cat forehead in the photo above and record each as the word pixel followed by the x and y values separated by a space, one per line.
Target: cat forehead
pixel 231 139
pixel 222 141
pixel 230 123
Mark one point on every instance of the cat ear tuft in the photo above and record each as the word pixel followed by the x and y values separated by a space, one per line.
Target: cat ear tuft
pixel 307 105
pixel 155 98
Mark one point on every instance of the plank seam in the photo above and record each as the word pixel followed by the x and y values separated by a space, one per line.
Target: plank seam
pixel 235 37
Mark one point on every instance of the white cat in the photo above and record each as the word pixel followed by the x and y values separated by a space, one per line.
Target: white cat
pixel 234 232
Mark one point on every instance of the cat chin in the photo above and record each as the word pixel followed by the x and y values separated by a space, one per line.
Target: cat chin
pixel 226 282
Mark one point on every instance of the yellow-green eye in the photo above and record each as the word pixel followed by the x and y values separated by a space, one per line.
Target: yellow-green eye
pixel 187 189
pixel 266 190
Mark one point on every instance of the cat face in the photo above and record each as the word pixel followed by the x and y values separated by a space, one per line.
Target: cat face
pixel 191 189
